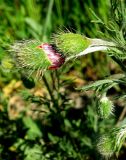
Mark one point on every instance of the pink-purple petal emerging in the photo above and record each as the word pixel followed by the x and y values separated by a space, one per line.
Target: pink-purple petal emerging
pixel 57 59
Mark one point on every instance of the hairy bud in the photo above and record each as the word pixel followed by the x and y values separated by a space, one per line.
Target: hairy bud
pixel 76 45
pixel 71 44
pixel 105 107
pixel 32 56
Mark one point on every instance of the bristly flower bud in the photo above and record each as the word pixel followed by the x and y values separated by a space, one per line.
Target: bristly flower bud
pixel 105 107
pixel 71 44
pixel 36 57
pixel 75 45
pixel 106 145
pixel 112 141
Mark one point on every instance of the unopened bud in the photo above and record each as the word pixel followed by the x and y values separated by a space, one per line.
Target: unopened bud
pixel 112 141
pixel 75 45
pixel 106 145
pixel 105 107
pixel 71 44
pixel 34 56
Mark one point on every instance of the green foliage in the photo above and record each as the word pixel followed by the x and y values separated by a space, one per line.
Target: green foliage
pixel 114 32
pixel 52 125
pixel 115 28
pixel 33 130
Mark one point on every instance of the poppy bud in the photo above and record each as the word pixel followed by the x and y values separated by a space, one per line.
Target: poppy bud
pixel 105 107
pixel 112 141
pixel 106 145
pixel 32 56
pixel 71 44
pixel 75 45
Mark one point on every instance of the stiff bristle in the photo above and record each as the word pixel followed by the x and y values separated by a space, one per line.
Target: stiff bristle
pixel 29 57
pixel 70 44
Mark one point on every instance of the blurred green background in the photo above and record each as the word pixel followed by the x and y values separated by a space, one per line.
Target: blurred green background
pixel 33 127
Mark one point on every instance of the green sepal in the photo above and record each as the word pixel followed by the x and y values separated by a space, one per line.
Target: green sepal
pixel 71 44
pixel 30 57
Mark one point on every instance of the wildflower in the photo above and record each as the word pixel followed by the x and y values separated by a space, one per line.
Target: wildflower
pixel 33 57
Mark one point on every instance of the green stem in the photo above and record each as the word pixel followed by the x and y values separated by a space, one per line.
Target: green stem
pixel 48 88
